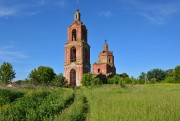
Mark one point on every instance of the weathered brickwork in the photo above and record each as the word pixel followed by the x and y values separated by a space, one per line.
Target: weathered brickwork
pixel 105 63
pixel 77 55
pixel 77 52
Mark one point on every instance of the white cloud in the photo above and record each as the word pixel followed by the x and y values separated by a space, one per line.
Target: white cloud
pixel 9 53
pixel 16 8
pixel 7 12
pixel 106 14
pixel 156 12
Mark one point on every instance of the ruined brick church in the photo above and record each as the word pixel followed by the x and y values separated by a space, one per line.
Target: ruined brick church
pixel 77 54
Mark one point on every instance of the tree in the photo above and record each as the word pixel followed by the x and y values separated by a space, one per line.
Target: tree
pixel 7 73
pixel 177 74
pixel 59 81
pixel 86 79
pixel 42 75
pixel 124 75
pixel 158 74
pixel 142 76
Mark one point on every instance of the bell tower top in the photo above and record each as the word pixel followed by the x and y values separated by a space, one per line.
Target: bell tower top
pixel 77 15
pixel 105 45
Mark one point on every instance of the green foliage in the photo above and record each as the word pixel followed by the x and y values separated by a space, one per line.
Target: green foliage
pixel 137 103
pixel 102 78
pixel 96 81
pixel 37 105
pixel 93 80
pixel 59 81
pixel 8 96
pixel 142 76
pixel 153 80
pixel 54 104
pixel 42 75
pixel 23 107
pixel 127 80
pixel 86 79
pixel 7 73
pixel 170 79
pixel 158 74
pixel 114 80
pixel 76 111
pixel 124 75
pixel 177 74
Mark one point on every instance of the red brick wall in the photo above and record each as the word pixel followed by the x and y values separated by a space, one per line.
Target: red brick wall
pixel 82 64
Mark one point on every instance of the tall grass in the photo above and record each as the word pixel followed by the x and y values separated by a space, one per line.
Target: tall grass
pixel 138 103
pixel 76 111
pixel 36 105
pixel 8 96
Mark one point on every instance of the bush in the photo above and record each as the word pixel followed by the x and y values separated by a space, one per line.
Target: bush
pixel 96 81
pixel 102 78
pixel 7 96
pixel 59 81
pixel 122 83
pixel 114 80
pixel 153 80
pixel 86 79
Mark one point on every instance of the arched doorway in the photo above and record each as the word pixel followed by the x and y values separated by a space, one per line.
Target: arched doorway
pixel 73 77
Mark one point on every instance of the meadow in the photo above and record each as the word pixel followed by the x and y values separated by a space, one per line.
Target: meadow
pixel 158 102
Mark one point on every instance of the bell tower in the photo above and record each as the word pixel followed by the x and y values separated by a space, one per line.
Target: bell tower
pixel 77 52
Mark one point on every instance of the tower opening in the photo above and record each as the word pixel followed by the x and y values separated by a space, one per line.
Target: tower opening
pixel 86 56
pixel 99 70
pixel 73 54
pixel 73 77
pixel 74 35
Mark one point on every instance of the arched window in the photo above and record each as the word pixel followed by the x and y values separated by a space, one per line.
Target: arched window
pixel 74 35
pixel 99 71
pixel 73 54
pixel 73 77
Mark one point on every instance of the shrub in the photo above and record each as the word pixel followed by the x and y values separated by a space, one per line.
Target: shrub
pixel 96 81
pixel 153 80
pixel 86 79
pixel 114 80
pixel 7 96
pixel 59 81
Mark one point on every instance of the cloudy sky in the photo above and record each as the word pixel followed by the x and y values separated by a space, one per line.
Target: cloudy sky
pixel 143 34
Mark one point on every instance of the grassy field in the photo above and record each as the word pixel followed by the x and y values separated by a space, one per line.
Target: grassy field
pixel 159 102
pixel 135 103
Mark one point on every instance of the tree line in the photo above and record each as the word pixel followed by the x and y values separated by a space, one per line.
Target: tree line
pixel 44 75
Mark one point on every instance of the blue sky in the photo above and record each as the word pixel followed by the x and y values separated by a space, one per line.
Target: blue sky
pixel 143 34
